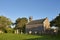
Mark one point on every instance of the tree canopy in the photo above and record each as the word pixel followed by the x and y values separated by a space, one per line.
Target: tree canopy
pixel 4 22
pixel 21 23
pixel 56 21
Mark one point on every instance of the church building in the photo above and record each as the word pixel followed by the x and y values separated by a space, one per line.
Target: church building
pixel 37 26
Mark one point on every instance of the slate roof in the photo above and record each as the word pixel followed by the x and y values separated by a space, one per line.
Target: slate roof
pixel 40 21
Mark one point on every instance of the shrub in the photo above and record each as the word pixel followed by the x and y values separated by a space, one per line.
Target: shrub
pixel 8 30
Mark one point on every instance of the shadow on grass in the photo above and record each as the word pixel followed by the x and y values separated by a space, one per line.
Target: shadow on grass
pixel 35 39
pixel 46 37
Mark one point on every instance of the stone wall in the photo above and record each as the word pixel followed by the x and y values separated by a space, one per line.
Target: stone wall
pixel 34 29
pixel 46 24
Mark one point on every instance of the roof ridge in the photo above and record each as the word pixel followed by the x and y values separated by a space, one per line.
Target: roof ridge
pixel 39 21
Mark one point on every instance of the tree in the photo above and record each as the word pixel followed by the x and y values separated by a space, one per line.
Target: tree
pixel 21 23
pixel 56 21
pixel 4 22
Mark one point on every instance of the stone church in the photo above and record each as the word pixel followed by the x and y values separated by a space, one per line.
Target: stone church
pixel 37 26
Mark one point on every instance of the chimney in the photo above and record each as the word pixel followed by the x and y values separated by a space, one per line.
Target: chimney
pixel 30 18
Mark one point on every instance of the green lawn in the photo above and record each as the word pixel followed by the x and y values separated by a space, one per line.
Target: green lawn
pixel 28 37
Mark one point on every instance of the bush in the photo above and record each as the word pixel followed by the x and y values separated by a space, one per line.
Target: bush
pixel 8 30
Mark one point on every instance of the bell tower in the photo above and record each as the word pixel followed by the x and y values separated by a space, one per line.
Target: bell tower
pixel 30 18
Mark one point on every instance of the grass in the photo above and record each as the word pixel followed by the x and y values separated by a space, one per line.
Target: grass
pixel 8 36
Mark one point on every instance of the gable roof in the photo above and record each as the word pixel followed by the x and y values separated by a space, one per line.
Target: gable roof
pixel 40 21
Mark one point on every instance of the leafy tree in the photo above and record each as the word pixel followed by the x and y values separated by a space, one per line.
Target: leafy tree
pixel 21 23
pixel 4 22
pixel 56 21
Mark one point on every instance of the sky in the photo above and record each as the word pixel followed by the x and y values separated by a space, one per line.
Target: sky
pixel 38 9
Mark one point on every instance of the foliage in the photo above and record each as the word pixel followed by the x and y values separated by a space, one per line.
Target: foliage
pixel 56 21
pixel 4 22
pixel 8 30
pixel 20 23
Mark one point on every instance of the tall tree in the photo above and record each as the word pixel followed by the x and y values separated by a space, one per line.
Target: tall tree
pixel 21 23
pixel 4 22
pixel 56 21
